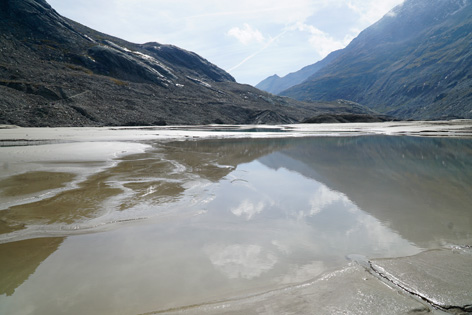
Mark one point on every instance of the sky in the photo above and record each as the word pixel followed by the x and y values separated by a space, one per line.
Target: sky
pixel 251 39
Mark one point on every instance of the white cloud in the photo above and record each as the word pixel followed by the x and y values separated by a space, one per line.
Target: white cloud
pixel 322 42
pixel 370 11
pixel 206 27
pixel 263 11
pixel 246 34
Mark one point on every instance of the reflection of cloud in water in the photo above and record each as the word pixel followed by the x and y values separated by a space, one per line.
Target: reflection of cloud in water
pixel 282 247
pixel 241 261
pixel 324 197
pixel 248 209
pixel 308 218
pixel 381 238
pixel 298 274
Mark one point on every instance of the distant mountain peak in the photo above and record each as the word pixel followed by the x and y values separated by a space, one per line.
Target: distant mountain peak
pixel 275 84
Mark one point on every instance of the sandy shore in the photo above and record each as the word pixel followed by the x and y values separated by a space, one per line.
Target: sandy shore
pixel 13 135
pixel 432 282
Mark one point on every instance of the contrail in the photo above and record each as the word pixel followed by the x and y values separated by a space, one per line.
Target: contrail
pixel 257 52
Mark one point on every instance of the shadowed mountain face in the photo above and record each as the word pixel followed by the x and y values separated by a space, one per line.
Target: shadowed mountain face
pixel 415 63
pixel 56 72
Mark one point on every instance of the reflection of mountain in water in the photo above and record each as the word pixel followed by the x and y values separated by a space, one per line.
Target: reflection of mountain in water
pixel 20 260
pixel 419 187
pixel 202 157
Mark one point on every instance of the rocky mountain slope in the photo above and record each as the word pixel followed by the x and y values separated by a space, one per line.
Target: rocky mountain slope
pixel 56 72
pixel 415 63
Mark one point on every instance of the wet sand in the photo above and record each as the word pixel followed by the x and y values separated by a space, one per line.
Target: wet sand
pixel 433 282
pixel 237 219
pixel 11 135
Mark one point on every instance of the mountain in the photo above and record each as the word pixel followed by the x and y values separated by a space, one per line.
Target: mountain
pixel 56 72
pixel 275 84
pixel 415 63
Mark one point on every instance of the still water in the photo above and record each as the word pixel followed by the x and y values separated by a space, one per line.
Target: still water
pixel 187 223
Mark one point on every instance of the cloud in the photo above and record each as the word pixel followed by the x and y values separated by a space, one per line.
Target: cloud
pixel 322 42
pixel 371 11
pixel 246 34
pixel 231 33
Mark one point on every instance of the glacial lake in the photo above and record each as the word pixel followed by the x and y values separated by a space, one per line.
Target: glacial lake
pixel 147 226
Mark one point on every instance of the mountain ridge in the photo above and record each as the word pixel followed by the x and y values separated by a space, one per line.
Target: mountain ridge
pixel 57 72
pixel 275 84
pixel 407 65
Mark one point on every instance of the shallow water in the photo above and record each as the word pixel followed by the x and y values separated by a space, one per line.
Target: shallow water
pixel 186 223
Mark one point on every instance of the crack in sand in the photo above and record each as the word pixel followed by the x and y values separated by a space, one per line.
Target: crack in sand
pixel 388 278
